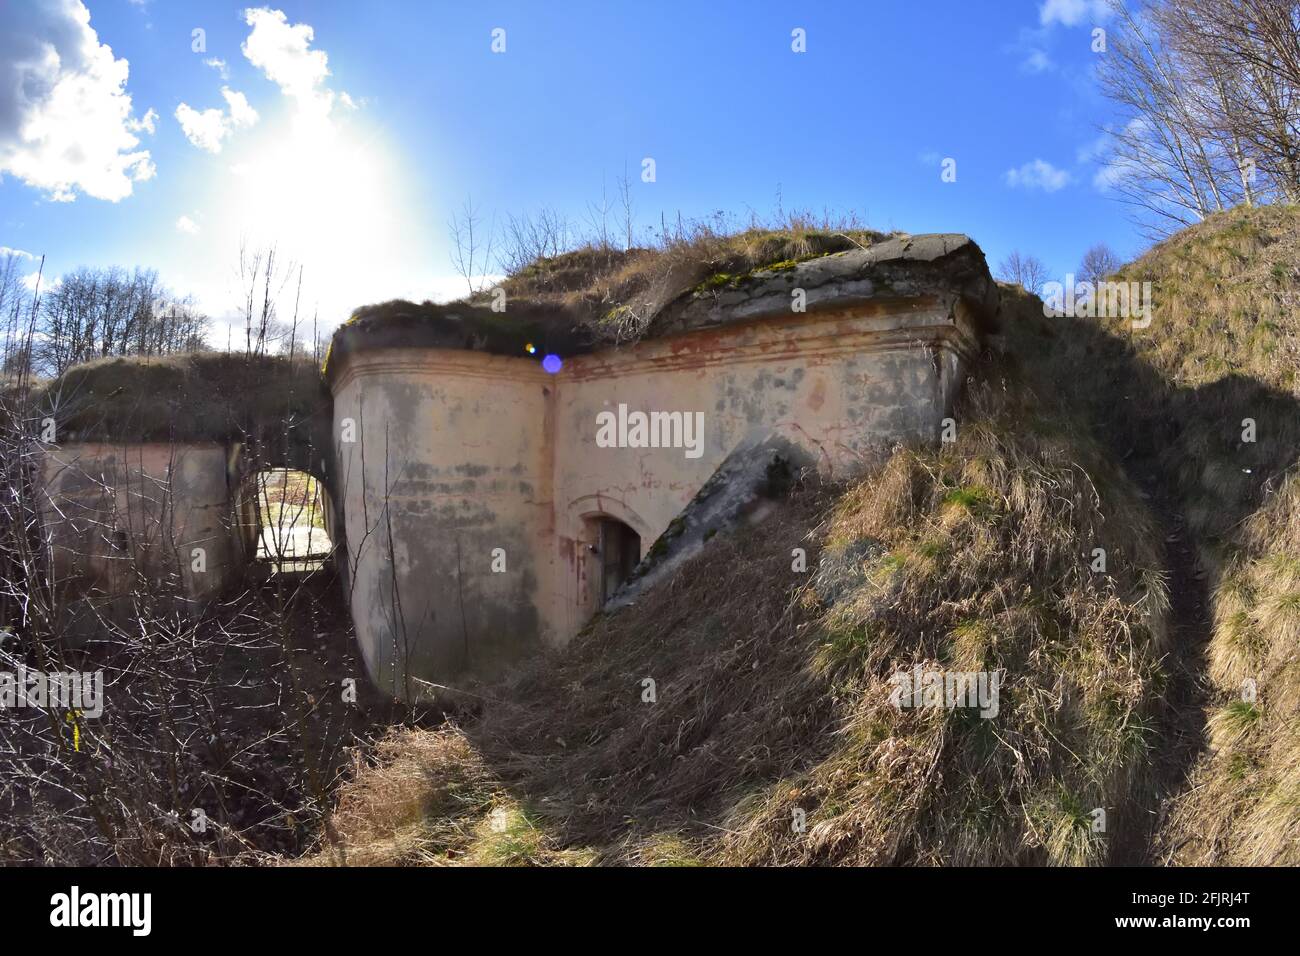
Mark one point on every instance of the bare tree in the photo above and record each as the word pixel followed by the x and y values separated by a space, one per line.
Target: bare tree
pixel 14 297
pixel 598 219
pixel 1162 162
pixel 472 242
pixel 1210 96
pixel 1098 263
pixel 628 207
pixel 1024 270
pixel 530 239
pixel 263 278
pixel 1243 58
pixel 95 313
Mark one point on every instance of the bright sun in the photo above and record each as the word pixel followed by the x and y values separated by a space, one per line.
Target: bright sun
pixel 324 196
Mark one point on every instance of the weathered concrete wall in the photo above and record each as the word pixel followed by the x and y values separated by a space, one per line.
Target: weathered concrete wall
pixel 840 385
pixel 443 458
pixel 118 516
pixel 457 453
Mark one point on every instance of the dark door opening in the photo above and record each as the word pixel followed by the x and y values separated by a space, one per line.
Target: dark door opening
pixel 620 553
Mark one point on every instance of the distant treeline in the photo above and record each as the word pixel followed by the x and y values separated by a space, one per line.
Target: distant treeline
pixel 88 314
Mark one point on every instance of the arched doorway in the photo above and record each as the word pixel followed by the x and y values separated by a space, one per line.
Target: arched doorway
pixel 618 548
pixel 286 517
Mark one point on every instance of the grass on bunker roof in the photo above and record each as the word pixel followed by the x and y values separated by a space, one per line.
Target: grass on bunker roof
pixel 195 396
pixel 597 294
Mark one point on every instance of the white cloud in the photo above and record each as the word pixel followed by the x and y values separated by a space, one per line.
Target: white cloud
pixel 203 128
pixel 66 120
pixel 219 65
pixel 20 253
pixel 1037 62
pixel 283 53
pixel 1113 168
pixel 145 124
pixel 208 129
pixel 241 114
pixel 1109 176
pixel 1093 149
pixel 1038 174
pixel 187 225
pixel 1071 13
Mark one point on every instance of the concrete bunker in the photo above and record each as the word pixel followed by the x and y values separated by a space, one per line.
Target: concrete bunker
pixel 480 489
pixel 481 504
pixel 142 463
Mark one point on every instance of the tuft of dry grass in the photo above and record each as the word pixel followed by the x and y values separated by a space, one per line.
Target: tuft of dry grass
pixel 427 798
pixel 977 559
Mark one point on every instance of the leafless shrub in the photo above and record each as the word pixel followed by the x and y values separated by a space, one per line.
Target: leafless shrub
pixel 472 245
pixel 1024 270
pixel 224 726
pixel 1098 262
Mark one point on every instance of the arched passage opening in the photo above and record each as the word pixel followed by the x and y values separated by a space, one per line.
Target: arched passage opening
pixel 286 518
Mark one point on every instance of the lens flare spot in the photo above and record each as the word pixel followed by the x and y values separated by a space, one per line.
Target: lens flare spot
pixel 552 363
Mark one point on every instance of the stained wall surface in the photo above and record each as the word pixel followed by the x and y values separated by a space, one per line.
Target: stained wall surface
pixel 444 466
pixel 460 460
pixel 119 515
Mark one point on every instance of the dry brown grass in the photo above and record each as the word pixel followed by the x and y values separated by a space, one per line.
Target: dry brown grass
pixel 772 686
pixel 1224 347
pixel 595 282
pixel 1228 344
pixel 428 799
pixel 979 561
pixel 1242 805
pixel 616 293
pixel 1227 297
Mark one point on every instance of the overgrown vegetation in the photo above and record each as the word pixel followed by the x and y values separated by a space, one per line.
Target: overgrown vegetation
pixel 592 292
pixel 623 290
pixel 772 688
pixel 197 396
pixel 224 723
pixel 1203 406
pixel 772 707
pixel 1155 688
pixel 1231 344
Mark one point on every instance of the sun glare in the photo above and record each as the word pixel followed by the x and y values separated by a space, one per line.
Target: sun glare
pixel 323 194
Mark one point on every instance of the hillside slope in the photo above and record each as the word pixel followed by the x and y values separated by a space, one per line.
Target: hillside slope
pixel 1203 407
pixel 1231 287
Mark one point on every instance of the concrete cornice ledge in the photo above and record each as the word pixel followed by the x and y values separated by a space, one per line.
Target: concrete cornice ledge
pixel 946 266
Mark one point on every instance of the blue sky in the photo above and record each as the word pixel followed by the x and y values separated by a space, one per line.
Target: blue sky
pixel 351 131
